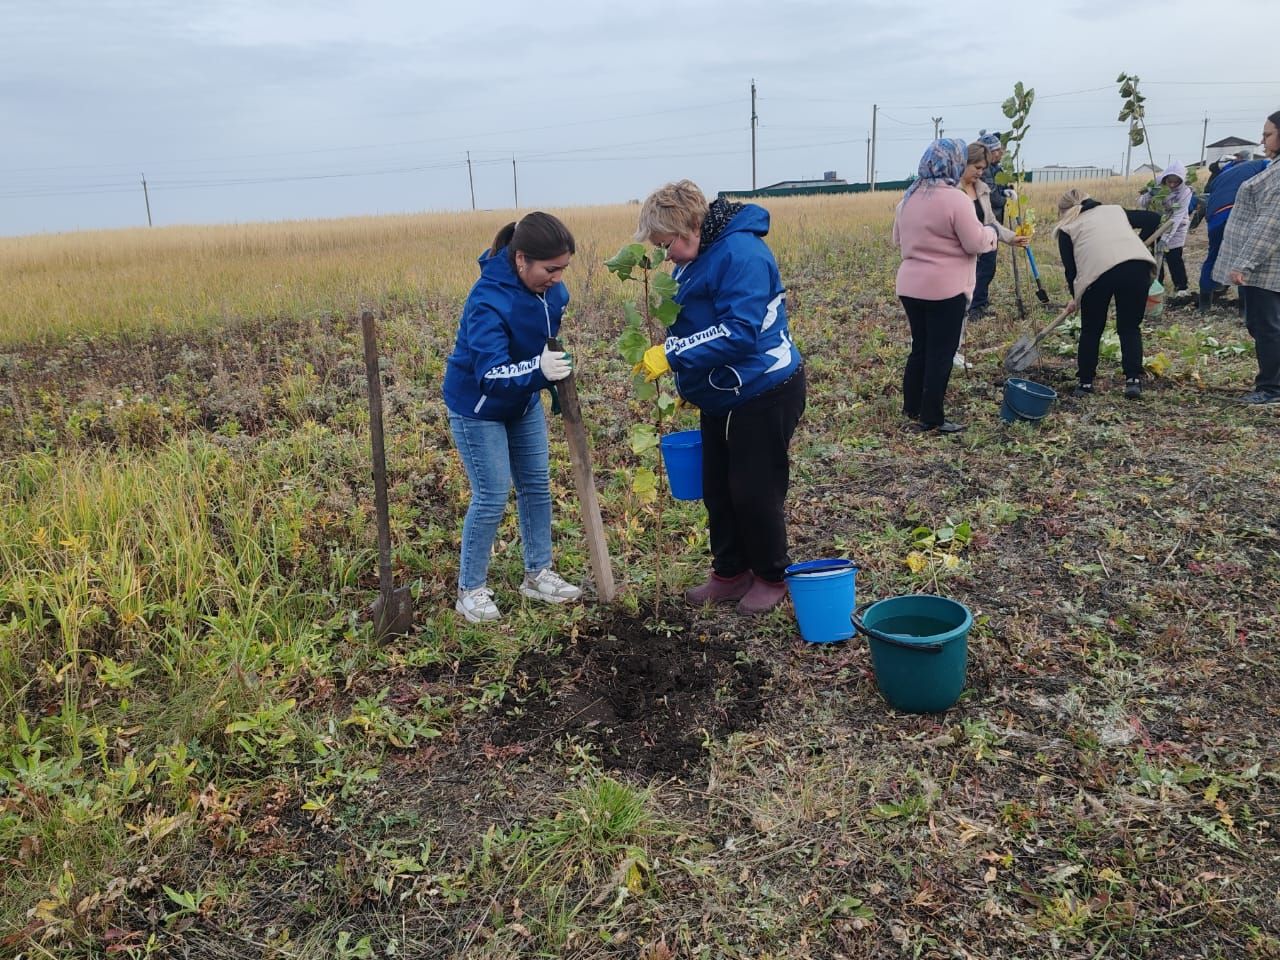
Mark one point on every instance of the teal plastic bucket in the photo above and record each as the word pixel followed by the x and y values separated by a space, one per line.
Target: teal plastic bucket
pixel 1025 400
pixel 919 649
pixel 682 456
pixel 823 595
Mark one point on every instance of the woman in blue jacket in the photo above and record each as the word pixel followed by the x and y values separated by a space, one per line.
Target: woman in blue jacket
pixel 732 357
pixel 500 363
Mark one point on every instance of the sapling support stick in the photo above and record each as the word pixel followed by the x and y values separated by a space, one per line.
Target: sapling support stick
pixel 584 481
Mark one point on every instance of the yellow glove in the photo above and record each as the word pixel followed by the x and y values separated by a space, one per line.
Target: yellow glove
pixel 654 363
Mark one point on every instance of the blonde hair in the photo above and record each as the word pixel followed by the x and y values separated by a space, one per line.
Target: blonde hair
pixel 1069 207
pixel 676 208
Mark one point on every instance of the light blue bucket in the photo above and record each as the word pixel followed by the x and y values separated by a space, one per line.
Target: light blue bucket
pixel 823 594
pixel 682 455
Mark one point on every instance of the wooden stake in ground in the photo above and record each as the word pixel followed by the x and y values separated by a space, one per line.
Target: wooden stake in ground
pixel 392 611
pixel 580 457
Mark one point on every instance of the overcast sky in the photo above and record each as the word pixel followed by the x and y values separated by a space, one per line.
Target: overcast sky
pixel 243 110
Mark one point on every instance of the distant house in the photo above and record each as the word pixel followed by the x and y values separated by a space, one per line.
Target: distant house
pixel 1228 147
pixel 1147 170
pixel 830 183
pixel 1057 172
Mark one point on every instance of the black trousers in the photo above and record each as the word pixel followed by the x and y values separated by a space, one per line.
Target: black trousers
pixel 745 475
pixel 1262 317
pixel 935 334
pixel 1127 283
pixel 1177 268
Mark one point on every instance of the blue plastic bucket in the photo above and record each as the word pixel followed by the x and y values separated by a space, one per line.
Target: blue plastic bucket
pixel 1025 400
pixel 682 455
pixel 919 649
pixel 823 595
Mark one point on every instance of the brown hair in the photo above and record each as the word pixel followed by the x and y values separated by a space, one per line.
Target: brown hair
pixel 538 235
pixel 979 152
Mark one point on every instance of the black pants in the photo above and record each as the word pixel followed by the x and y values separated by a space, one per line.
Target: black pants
pixel 1127 283
pixel 1262 317
pixel 1177 268
pixel 935 334
pixel 986 273
pixel 745 475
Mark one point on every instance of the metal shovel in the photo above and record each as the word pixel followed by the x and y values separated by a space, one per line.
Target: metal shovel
pixel 1023 353
pixel 392 611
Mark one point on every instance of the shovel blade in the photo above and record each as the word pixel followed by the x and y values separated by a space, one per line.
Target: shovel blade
pixel 1021 355
pixel 392 615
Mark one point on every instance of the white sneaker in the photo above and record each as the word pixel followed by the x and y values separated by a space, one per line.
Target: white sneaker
pixel 549 586
pixel 477 605
pixel 959 361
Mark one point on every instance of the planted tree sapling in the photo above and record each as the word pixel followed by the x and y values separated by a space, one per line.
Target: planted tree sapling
pixel 647 317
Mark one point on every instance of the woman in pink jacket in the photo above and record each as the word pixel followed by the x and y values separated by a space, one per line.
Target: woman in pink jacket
pixel 941 237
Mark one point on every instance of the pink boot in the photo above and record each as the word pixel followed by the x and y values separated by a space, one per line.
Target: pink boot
pixel 720 589
pixel 763 595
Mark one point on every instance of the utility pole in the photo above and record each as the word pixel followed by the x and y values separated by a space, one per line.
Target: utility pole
pixel 871 175
pixel 471 180
pixel 1128 154
pixel 1204 137
pixel 936 131
pixel 755 120
pixel 868 156
pixel 515 184
pixel 146 198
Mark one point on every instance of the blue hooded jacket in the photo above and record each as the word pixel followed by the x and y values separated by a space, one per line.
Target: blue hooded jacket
pixel 494 372
pixel 1226 184
pixel 730 341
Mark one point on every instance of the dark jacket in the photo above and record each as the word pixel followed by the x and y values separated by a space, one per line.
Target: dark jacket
pixel 1226 183
pixel 730 341
pixel 494 372
pixel 997 191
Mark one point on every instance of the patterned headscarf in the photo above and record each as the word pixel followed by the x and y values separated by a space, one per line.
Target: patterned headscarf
pixel 720 212
pixel 943 162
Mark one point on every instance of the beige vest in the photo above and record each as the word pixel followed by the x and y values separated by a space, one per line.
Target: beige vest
pixel 1100 239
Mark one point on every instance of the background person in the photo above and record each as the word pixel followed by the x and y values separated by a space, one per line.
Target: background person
pixel 500 362
pixel 1173 237
pixel 938 231
pixel 998 196
pixel 731 353
pixel 973 183
pixel 1223 187
pixel 1250 258
pixel 1104 261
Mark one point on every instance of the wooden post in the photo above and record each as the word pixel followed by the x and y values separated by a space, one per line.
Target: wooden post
pixel 580 456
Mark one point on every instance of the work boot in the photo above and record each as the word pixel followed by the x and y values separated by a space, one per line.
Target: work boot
pixel 1133 388
pixel 764 595
pixel 1205 301
pixel 720 589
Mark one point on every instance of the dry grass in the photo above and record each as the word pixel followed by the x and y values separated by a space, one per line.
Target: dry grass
pixel 187 278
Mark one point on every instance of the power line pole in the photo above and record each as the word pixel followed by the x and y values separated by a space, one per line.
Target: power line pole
pixel 471 180
pixel 868 156
pixel 871 174
pixel 1128 154
pixel 1204 138
pixel 755 120
pixel 146 198
pixel 515 184
pixel 936 132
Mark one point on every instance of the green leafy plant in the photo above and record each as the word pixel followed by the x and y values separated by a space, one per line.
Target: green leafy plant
pixel 1135 112
pixel 1013 173
pixel 653 309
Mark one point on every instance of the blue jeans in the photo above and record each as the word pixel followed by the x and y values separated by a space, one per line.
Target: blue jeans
pixel 496 452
